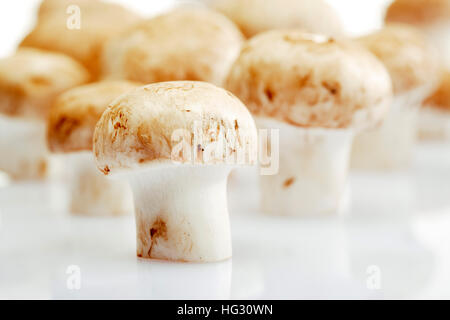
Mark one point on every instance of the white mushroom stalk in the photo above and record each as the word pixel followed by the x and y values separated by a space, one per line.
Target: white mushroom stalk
pixel 23 150
pixel 181 213
pixel 91 193
pixel 313 166
pixel 390 145
pixel 176 143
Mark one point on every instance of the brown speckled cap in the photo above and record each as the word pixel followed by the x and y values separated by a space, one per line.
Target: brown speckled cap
pixel 137 129
pixel 310 80
pixel 75 113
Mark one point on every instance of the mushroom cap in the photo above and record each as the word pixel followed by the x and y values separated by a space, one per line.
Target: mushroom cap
pixel 75 113
pixel 31 79
pixel 255 16
pixel 184 44
pixel 441 97
pixel 99 21
pixel 311 80
pixel 419 12
pixel 412 63
pixel 142 127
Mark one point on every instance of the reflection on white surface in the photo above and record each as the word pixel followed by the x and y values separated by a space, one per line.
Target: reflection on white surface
pixel 273 258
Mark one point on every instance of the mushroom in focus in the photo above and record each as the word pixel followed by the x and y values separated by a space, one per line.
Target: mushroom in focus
pixel 414 68
pixel 71 125
pixel 30 80
pixel 316 91
pixel 175 143
pixel 184 44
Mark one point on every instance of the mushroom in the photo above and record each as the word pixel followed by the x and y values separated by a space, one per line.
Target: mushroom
pixel 78 28
pixel 29 82
pixel 176 142
pixel 434 119
pixel 431 16
pixel 256 16
pixel 316 91
pixel 414 69
pixel 184 44
pixel 71 125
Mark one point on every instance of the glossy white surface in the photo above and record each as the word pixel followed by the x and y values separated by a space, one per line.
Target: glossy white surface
pixel 394 244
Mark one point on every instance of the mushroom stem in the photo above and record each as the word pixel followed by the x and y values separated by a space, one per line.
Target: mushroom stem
pixel 390 146
pixel 181 213
pixel 23 149
pixel 313 167
pixel 92 193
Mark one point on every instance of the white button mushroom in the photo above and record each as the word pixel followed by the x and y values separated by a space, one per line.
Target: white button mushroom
pixel 256 16
pixel 414 69
pixel 430 16
pixel 316 91
pixel 176 142
pixel 29 82
pixel 71 125
pixel 184 44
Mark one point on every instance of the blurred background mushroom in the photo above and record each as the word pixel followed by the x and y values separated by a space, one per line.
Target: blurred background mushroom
pixel 78 28
pixel 29 82
pixel 316 91
pixel 70 131
pixel 256 16
pixel 414 68
pixel 183 44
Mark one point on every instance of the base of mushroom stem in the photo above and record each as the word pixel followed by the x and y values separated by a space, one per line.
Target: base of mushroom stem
pixel 390 146
pixel 93 194
pixel 312 175
pixel 181 213
pixel 434 124
pixel 23 150
pixel 439 36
